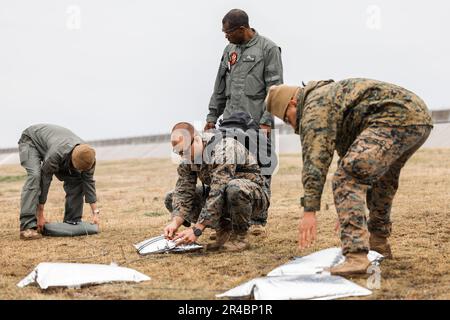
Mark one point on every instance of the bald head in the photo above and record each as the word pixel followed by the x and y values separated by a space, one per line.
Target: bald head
pixel 182 136
pixel 184 126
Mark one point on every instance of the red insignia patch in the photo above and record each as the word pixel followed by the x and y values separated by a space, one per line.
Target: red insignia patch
pixel 233 58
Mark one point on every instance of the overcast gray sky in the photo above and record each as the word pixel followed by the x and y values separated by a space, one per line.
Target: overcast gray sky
pixel 115 68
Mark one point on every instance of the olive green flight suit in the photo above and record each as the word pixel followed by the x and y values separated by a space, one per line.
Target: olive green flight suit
pixel 45 150
pixel 246 72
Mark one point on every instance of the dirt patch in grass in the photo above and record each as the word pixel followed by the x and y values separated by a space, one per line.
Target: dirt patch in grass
pixel 131 197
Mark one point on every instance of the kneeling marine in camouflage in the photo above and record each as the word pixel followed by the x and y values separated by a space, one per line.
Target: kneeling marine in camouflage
pixel 236 191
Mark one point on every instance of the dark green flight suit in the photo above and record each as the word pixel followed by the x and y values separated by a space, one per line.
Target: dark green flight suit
pixel 246 72
pixel 45 150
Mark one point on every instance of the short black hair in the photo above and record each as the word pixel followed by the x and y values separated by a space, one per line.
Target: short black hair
pixel 236 18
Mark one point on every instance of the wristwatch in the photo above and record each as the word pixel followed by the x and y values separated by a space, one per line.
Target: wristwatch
pixel 96 211
pixel 197 232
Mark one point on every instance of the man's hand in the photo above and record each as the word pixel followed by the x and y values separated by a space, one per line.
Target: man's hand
pixel 172 227
pixel 95 213
pixel 266 127
pixel 307 229
pixel 185 237
pixel 209 125
pixel 170 230
pixel 96 219
pixel 40 218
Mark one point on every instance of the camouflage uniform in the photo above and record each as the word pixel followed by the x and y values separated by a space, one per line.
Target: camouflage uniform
pixel 375 127
pixel 236 192
pixel 242 85
pixel 198 202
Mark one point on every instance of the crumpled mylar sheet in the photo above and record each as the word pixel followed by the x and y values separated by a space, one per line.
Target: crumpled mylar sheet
pixel 303 278
pixel 75 275
pixel 162 245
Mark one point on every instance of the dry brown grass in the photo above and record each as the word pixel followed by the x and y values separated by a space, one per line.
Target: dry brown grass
pixel 131 196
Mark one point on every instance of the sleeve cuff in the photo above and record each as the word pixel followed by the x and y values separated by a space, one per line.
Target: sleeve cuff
pixel 266 119
pixel 210 118
pixel 310 203
pixel 90 200
pixel 176 213
pixel 205 219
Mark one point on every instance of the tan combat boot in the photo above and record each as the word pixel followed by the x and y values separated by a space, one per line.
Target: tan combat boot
pixel 30 234
pixel 222 236
pixel 381 245
pixel 238 242
pixel 354 264
pixel 258 230
pixel 213 235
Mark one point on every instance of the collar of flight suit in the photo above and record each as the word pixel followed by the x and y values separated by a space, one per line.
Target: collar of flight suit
pixel 67 160
pixel 252 41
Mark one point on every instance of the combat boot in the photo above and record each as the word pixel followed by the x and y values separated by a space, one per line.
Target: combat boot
pixel 30 234
pixel 258 230
pixel 213 235
pixel 222 236
pixel 238 242
pixel 354 264
pixel 381 245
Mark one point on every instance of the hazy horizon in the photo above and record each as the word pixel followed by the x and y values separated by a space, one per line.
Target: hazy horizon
pixel 111 69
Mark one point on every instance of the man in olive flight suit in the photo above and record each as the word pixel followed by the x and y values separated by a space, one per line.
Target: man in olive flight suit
pixel 374 127
pixel 249 66
pixel 46 150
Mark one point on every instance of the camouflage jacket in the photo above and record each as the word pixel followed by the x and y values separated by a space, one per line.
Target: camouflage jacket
pixel 223 161
pixel 332 114
pixel 245 75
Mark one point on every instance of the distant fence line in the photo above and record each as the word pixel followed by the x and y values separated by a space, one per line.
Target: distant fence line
pixel 159 138
pixel 132 140
pixel 439 116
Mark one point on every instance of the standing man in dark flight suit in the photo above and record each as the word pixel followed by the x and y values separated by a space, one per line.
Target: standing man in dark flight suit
pixel 46 150
pixel 250 65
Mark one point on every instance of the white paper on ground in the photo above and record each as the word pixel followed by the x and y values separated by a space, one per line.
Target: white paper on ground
pixel 49 274
pixel 315 286
pixel 304 278
pixel 317 262
pixel 161 244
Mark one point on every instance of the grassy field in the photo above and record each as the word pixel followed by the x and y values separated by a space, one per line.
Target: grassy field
pixel 131 195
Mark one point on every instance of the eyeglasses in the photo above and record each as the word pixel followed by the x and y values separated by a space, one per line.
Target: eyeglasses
pixel 182 152
pixel 230 30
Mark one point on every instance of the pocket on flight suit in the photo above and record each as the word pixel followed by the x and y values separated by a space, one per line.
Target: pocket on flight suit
pixel 24 152
pixel 254 86
pixel 221 81
pixel 227 84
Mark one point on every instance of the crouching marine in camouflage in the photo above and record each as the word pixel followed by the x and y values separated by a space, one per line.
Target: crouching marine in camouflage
pixel 236 189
